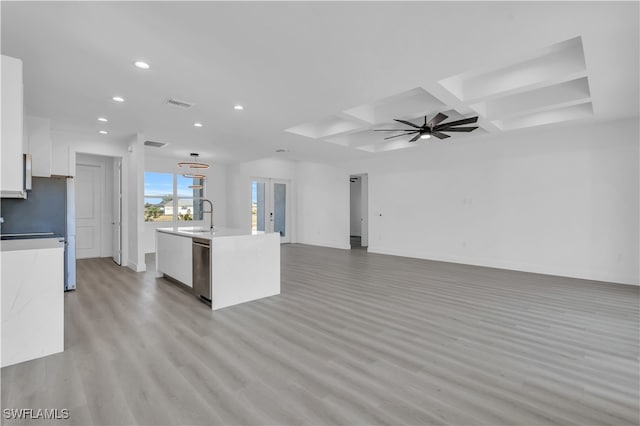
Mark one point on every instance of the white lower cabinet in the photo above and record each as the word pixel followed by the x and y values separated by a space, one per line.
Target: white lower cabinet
pixel 174 257
pixel 32 299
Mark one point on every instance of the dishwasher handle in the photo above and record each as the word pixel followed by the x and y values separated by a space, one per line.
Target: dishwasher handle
pixel 202 245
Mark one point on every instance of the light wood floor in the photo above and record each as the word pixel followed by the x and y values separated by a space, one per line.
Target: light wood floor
pixel 354 338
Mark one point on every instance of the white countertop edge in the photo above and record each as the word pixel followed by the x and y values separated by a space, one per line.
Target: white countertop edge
pixel 220 232
pixel 31 244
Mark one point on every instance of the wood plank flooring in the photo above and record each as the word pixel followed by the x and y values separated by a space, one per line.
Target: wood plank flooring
pixel 354 338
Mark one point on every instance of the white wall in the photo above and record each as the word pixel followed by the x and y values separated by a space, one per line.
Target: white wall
pixel 215 190
pixel 355 208
pixel 323 205
pixel 317 189
pixel 239 189
pixel 134 207
pixel 561 201
pixel 66 145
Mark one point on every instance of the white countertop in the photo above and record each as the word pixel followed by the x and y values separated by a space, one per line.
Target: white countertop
pixel 31 244
pixel 201 232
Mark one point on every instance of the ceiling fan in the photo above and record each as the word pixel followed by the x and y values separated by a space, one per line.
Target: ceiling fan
pixel 431 128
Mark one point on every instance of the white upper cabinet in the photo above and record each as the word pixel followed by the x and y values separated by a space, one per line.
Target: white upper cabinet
pixel 11 144
pixel 63 160
pixel 38 143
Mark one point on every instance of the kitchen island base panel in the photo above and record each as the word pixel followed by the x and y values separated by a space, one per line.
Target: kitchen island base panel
pixel 32 299
pixel 244 268
pixel 245 265
pixel 173 253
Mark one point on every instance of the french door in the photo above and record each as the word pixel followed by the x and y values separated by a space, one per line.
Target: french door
pixel 270 207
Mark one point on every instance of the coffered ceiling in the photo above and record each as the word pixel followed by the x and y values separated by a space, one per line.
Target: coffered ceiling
pixel 315 78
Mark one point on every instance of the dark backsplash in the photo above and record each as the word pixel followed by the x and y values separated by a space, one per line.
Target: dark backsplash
pixel 44 210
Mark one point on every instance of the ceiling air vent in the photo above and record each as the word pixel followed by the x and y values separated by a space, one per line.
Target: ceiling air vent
pixel 155 144
pixel 179 103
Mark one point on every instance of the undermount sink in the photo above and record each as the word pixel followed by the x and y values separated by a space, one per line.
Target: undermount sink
pixel 196 230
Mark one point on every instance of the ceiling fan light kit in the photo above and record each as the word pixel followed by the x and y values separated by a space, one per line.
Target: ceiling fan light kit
pixel 431 128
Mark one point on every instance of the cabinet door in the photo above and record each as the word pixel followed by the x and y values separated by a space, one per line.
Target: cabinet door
pixel 39 145
pixel 174 257
pixel 32 303
pixel 11 142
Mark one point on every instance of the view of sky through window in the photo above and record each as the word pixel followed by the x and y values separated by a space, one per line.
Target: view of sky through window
pixel 157 185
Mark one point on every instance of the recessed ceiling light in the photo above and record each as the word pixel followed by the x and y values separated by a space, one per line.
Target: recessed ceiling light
pixel 197 124
pixel 142 65
pixel 425 136
pixel 238 107
pixel 103 132
pixel 118 98
pixel 104 120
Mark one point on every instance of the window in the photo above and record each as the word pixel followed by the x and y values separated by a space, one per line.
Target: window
pixel 170 197
pixel 189 199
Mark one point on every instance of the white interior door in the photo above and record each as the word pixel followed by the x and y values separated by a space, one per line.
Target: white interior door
pixel 270 207
pixel 116 227
pixel 88 210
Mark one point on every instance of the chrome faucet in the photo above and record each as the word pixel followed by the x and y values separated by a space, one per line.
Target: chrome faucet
pixel 210 213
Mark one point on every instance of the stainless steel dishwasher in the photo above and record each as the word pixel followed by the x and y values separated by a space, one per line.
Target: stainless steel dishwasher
pixel 201 249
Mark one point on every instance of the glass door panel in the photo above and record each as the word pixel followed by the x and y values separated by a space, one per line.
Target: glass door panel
pixel 269 207
pixel 258 207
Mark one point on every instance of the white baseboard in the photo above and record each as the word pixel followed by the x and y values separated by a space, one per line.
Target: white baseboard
pixel 135 267
pixel 326 244
pixel 513 266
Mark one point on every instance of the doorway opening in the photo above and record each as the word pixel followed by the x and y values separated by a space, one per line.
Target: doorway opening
pixel 359 211
pixel 270 211
pixel 98 207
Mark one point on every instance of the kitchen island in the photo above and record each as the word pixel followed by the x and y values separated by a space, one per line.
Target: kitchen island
pixel 239 265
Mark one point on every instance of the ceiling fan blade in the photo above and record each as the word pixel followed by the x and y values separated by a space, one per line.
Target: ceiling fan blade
pixel 415 138
pixel 393 130
pixel 404 134
pixel 437 119
pixel 459 129
pixel 408 123
pixel 440 135
pixel 457 123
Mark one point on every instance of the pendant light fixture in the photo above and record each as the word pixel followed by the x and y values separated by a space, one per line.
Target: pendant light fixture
pixel 191 167
pixel 193 163
pixel 194 176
